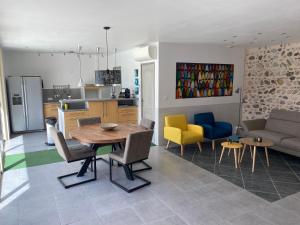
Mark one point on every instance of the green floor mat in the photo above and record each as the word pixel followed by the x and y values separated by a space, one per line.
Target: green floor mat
pixel 29 159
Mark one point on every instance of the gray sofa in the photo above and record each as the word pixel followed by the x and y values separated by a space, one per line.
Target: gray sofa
pixel 282 127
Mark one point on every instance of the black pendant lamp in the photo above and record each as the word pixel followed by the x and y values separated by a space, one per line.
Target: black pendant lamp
pixel 106 29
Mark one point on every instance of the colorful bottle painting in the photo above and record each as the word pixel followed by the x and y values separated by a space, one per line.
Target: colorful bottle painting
pixel 195 80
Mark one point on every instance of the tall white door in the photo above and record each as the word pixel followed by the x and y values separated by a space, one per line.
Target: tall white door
pixel 147 90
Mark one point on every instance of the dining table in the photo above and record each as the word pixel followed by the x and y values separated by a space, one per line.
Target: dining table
pixel 96 137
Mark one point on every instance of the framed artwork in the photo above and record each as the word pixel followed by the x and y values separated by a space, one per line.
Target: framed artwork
pixel 197 80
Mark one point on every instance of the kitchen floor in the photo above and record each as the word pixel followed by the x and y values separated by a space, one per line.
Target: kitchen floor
pixel 180 193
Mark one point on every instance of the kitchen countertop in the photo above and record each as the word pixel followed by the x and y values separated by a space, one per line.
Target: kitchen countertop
pixel 96 99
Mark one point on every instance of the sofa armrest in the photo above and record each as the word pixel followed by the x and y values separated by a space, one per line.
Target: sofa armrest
pixel 224 125
pixel 196 128
pixel 173 134
pixel 257 124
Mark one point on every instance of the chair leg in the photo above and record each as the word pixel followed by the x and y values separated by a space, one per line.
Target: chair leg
pixel 84 167
pixel 213 144
pixel 199 146
pixel 146 182
pixel 181 150
pixel 168 144
pixel 147 167
pixel 243 153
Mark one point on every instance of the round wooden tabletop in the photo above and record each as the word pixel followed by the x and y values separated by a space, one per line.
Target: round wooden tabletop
pixel 250 141
pixel 233 145
pixel 94 134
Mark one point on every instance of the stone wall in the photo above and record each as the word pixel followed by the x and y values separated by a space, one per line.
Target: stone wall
pixel 272 80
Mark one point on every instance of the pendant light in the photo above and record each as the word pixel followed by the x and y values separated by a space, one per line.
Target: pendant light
pixel 106 40
pixel 99 78
pixel 81 82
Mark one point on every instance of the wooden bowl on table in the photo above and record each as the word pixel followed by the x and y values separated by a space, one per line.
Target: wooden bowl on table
pixel 108 126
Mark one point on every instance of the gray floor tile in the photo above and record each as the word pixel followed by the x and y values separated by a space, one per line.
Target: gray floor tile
pixel 9 215
pixel 152 210
pixel 90 221
pixel 290 203
pixel 249 219
pixel 173 220
pixel 278 215
pixel 125 216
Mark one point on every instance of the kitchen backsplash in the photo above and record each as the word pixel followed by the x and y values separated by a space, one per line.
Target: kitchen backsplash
pixel 49 94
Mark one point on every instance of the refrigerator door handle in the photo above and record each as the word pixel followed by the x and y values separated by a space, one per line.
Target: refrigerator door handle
pixel 25 104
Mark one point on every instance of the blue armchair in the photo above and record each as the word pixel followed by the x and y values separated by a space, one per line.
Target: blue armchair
pixel 212 130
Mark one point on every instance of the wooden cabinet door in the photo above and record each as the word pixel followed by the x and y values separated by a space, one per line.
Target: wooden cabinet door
pixel 50 110
pixel 110 112
pixel 95 109
pixel 127 115
pixel 71 121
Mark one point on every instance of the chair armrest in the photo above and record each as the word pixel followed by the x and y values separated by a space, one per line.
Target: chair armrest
pixel 196 128
pixel 257 124
pixel 173 134
pixel 224 125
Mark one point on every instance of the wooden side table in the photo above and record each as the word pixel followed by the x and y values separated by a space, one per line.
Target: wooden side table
pixel 253 145
pixel 232 145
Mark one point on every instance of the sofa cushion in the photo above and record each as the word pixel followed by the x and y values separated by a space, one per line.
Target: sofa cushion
pixel 283 121
pixel 291 143
pixel 276 137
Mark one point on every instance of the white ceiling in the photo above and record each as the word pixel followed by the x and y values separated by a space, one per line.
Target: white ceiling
pixel 59 25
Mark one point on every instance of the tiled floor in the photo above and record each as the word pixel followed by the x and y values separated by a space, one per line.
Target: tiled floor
pixel 272 183
pixel 181 193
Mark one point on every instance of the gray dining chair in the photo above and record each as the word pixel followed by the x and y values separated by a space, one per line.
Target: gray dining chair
pixel 73 154
pixel 137 148
pixel 148 125
pixel 88 121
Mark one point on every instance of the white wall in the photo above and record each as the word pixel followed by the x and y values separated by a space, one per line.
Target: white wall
pixel 60 69
pixel 169 54
pixel 224 108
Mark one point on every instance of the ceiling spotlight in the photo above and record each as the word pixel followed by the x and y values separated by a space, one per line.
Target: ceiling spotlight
pixel 259 33
pixel 283 34
pixel 234 36
pixel 224 40
pixel 51 54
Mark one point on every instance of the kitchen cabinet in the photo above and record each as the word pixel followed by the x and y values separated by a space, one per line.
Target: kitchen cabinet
pixel 50 109
pixel 107 110
pixel 128 114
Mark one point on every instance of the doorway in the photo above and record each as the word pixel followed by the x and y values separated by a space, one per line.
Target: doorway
pixel 148 90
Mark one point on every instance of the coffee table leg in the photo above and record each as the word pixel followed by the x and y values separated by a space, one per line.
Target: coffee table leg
pixel 235 157
pixel 243 152
pixel 239 155
pixel 267 156
pixel 223 149
pixel 229 151
pixel 250 147
pixel 254 156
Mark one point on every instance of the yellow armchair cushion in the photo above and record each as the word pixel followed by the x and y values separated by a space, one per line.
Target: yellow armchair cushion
pixel 190 137
pixel 178 121
pixel 174 134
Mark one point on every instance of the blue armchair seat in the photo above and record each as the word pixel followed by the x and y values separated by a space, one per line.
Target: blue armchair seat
pixel 212 129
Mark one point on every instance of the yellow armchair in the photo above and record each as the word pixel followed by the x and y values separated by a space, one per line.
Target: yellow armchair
pixel 178 131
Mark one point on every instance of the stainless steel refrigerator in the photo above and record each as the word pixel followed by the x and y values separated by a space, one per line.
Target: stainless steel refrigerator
pixel 26 103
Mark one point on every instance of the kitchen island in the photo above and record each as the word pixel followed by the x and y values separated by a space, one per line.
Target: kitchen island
pixel 109 110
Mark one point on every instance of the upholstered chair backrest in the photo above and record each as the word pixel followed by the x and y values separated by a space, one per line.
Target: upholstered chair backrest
pixel 178 121
pixel 205 118
pixel 147 124
pixel 60 144
pixel 137 146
